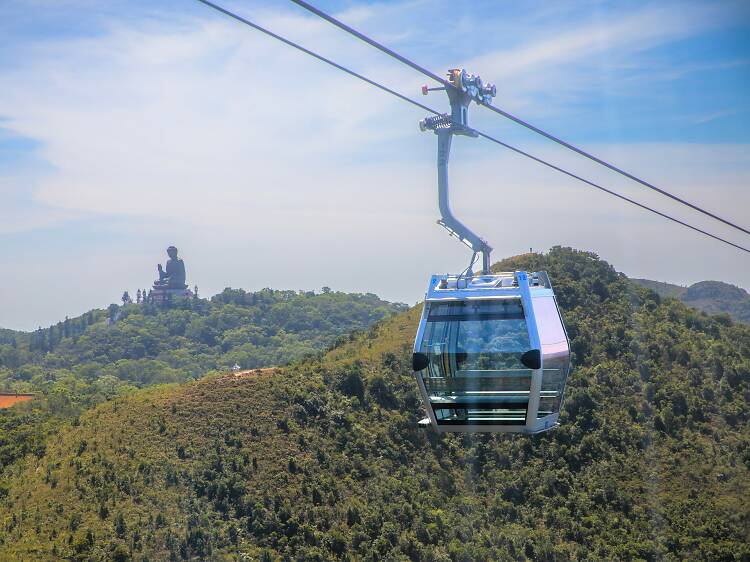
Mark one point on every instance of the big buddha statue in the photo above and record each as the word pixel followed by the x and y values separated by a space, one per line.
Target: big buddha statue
pixel 172 276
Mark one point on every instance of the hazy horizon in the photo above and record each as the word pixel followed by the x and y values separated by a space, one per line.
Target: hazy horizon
pixel 211 292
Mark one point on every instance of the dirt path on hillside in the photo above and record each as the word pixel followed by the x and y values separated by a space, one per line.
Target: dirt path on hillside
pixel 252 372
pixel 8 400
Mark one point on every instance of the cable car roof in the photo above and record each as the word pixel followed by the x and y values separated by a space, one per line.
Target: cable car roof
pixel 494 286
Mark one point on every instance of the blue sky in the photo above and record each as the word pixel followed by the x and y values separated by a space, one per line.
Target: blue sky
pixel 129 126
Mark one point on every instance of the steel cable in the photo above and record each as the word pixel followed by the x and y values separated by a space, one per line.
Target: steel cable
pixel 435 112
pixel 361 36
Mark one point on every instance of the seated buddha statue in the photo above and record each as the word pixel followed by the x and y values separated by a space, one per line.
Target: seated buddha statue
pixel 172 276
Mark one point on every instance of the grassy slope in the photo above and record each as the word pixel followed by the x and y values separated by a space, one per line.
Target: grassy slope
pixel 322 460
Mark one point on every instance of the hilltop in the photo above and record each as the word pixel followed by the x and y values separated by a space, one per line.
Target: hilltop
pixel 82 361
pixel 323 460
pixel 711 297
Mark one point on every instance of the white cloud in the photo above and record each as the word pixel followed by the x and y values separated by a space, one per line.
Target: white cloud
pixel 633 31
pixel 562 59
pixel 268 169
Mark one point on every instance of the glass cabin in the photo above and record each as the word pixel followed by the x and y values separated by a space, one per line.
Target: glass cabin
pixel 491 353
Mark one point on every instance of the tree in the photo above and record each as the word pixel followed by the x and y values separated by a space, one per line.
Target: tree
pixel 352 383
pixel 120 554
pixel 113 310
pixel 120 526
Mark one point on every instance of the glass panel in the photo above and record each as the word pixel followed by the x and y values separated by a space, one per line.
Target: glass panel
pixel 556 354
pixel 549 400
pixel 481 416
pixel 474 374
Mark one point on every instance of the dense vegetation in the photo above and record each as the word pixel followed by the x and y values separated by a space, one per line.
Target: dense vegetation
pixel 82 361
pixel 712 297
pixel 322 460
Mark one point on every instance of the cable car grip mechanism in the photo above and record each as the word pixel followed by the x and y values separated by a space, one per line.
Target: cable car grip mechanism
pixel 461 88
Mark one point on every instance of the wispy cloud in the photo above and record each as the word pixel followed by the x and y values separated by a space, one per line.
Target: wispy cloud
pixel 199 132
pixel 631 31
pixel 700 119
pixel 564 63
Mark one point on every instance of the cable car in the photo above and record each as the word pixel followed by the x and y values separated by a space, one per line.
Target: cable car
pixel 491 353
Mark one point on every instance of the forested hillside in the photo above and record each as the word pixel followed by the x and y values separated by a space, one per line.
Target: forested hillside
pixel 82 361
pixel 323 460
pixel 712 297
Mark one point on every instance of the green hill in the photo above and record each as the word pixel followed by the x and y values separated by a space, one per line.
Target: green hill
pixel 8 336
pixel 322 459
pixel 83 361
pixel 715 297
pixel 711 297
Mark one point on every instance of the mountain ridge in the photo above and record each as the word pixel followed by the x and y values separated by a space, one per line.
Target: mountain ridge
pixel 711 297
pixel 322 460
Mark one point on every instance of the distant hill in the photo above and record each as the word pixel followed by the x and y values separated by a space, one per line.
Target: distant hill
pixel 323 460
pixel 662 288
pixel 8 336
pixel 80 362
pixel 144 344
pixel 711 297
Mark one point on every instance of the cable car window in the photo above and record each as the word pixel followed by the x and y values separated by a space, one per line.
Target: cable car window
pixel 482 335
pixel 474 374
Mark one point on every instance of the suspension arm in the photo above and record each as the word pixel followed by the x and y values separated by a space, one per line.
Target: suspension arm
pixel 447 218
pixel 466 88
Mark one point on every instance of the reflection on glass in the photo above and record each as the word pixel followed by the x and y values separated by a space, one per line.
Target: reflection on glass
pixel 474 369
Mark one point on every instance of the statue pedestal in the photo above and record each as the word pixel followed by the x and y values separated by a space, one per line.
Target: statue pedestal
pixel 161 295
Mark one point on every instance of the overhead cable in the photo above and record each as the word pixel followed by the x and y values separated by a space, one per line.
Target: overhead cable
pixel 315 55
pixel 361 36
pixel 435 112
pixel 605 190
